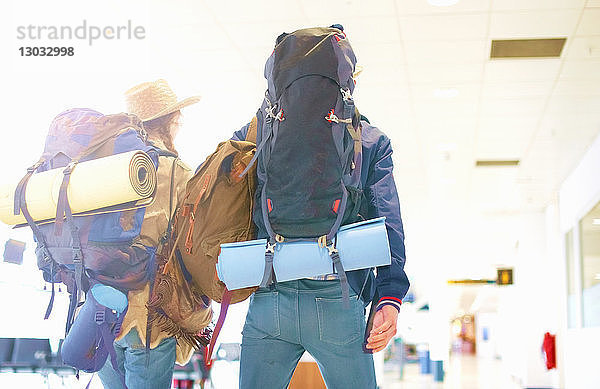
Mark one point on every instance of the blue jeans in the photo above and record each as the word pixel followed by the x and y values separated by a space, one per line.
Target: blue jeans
pixel 131 358
pixel 304 315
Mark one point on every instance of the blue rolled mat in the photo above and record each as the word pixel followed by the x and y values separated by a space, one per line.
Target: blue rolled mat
pixel 242 264
pixel 361 245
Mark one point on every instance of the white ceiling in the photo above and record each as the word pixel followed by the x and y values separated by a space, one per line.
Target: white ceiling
pixel 544 112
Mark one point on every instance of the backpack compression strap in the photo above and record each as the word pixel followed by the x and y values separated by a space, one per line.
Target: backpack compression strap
pixel 63 208
pixel 108 338
pixel 20 205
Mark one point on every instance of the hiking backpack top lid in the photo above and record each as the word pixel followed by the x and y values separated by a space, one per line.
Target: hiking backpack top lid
pixel 311 51
pixel 78 133
pixel 309 152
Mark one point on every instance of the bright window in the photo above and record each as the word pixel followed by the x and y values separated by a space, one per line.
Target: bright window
pixel 572 282
pixel 590 263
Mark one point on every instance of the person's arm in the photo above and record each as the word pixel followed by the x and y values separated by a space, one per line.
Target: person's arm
pixel 241 133
pixel 391 281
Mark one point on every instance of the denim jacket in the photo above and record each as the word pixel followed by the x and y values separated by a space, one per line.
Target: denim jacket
pixel 380 198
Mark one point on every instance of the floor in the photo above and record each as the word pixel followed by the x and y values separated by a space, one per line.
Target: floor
pixel 463 372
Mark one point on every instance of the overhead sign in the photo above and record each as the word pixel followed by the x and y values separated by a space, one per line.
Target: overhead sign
pixel 505 276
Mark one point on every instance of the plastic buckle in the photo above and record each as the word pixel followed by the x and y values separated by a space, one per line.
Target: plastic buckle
pixel 331 249
pixel 346 95
pixel 322 241
pixel 143 134
pixel 77 255
pixel 270 248
pixel 34 167
pixel 69 168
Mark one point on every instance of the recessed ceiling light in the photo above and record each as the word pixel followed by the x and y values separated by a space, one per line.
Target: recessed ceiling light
pixel 442 3
pixel 596 222
pixel 445 93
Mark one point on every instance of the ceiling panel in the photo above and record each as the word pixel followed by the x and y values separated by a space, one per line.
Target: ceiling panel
pixel 521 70
pixel 512 5
pixel 424 8
pixel 590 22
pixel 446 51
pixel 378 53
pixel 389 75
pixel 584 47
pixel 253 11
pixel 166 14
pixel 433 111
pixel 565 105
pixel 444 27
pixel 255 34
pixel 445 74
pixel 395 114
pixel 533 24
pixel 500 148
pixel 369 99
pixel 512 126
pixel 423 92
pixel 515 89
pixel 362 29
pixel 581 88
pixel 335 10
pixel 581 70
pixel 571 123
pixel 525 106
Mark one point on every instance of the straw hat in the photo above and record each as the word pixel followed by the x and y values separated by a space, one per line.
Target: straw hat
pixel 151 100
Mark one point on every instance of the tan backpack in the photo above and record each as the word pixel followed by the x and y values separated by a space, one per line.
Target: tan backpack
pixel 216 209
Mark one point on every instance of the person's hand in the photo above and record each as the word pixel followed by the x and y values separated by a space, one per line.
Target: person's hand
pixel 384 328
pixel 236 171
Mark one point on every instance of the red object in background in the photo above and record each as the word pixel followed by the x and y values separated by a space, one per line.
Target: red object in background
pixel 183 384
pixel 549 350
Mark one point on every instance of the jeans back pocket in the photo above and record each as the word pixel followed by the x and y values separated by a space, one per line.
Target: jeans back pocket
pixel 339 325
pixel 262 319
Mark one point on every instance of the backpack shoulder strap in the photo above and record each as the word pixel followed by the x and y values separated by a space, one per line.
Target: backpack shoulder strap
pixel 252 129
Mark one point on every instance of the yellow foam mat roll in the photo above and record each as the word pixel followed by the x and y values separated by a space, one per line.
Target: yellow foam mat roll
pixel 99 183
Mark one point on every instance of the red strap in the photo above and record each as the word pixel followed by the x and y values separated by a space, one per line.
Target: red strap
pixel 225 301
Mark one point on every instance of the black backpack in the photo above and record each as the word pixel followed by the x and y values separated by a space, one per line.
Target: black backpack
pixel 309 141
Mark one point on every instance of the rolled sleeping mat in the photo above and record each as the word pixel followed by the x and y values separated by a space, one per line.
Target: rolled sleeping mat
pixel 242 264
pixel 95 184
pixel 361 245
